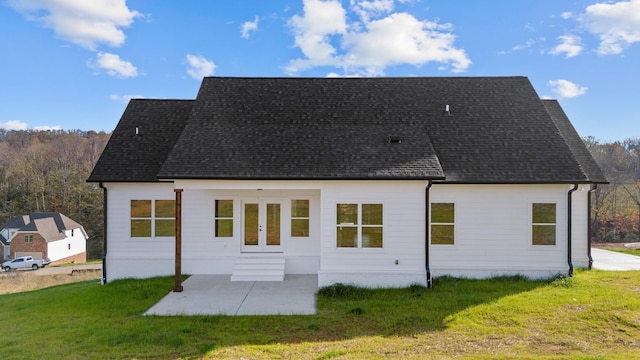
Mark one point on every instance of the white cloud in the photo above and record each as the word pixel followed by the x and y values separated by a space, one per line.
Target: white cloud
pixel 366 47
pixel 566 15
pixel 571 45
pixel 616 24
pixel 125 98
pixel 82 22
pixel 366 9
pixel 116 66
pixel 13 125
pixel 248 27
pixel 566 89
pixel 199 66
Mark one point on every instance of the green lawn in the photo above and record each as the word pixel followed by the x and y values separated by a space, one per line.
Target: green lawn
pixel 595 315
pixel 628 251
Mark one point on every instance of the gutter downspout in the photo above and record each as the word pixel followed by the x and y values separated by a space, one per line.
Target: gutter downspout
pixel 594 187
pixel 178 242
pixel 426 236
pixel 569 213
pixel 103 280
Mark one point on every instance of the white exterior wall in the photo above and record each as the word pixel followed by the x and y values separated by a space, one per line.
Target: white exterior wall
pixel 135 257
pixel 493 231
pixel 202 252
pixel 75 243
pixel 403 235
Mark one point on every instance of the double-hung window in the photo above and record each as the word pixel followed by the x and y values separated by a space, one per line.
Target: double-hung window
pixel 442 223
pixel 223 218
pixel 28 238
pixel 299 218
pixel 153 218
pixel 543 221
pixel 359 225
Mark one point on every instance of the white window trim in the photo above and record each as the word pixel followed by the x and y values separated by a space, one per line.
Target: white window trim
pixel 359 226
pixel 152 219
pixel 455 215
pixel 308 218
pixel 531 223
pixel 235 216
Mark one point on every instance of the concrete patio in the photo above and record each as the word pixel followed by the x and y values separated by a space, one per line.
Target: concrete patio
pixel 218 295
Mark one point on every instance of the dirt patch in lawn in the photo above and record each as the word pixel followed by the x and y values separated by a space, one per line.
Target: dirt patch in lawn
pixel 26 280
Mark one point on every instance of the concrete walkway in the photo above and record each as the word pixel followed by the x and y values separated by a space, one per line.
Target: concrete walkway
pixel 611 260
pixel 218 295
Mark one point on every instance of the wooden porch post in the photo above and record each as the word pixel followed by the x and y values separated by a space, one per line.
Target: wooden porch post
pixel 178 276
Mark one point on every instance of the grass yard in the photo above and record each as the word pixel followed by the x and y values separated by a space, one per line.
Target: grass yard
pixel 595 315
pixel 628 251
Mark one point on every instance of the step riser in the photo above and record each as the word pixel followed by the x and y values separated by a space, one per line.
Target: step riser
pixel 258 268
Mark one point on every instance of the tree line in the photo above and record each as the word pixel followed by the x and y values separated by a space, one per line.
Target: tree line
pixel 46 171
pixel 616 211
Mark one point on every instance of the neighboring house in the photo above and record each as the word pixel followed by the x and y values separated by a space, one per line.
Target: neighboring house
pixel 368 181
pixel 45 235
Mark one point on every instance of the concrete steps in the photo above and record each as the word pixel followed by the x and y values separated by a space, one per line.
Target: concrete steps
pixel 259 267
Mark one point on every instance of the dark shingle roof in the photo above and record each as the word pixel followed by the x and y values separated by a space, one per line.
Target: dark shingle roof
pixel 131 156
pixel 301 129
pixel 575 143
pixel 497 131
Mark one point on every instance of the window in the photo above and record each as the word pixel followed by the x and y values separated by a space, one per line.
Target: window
pixel 299 218
pixel 359 225
pixel 223 218
pixel 28 238
pixel 543 221
pixel 153 221
pixel 442 223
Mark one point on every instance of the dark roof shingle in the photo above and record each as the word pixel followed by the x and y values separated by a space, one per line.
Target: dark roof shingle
pixel 142 140
pixel 497 130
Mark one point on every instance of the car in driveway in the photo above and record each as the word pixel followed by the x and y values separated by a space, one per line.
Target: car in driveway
pixel 25 262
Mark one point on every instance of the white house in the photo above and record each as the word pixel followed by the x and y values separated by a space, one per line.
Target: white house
pixel 44 235
pixel 368 181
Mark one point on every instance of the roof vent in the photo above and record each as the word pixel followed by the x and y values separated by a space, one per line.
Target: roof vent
pixel 137 131
pixel 393 139
pixel 447 110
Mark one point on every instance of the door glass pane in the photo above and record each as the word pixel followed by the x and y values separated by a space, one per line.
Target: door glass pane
pixel 251 224
pixel 273 224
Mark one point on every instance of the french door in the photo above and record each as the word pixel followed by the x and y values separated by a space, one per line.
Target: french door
pixel 261 225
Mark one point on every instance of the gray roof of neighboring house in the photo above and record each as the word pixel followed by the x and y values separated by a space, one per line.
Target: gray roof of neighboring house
pixel 496 130
pixel 50 226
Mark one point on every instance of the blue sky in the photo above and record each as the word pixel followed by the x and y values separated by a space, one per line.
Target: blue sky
pixel 74 64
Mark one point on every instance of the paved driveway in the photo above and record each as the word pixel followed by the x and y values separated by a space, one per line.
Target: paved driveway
pixel 611 260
